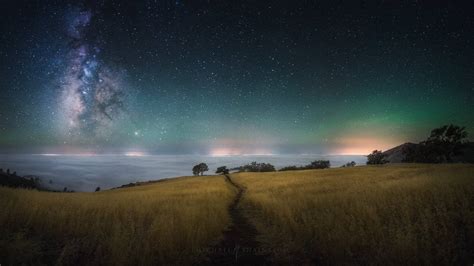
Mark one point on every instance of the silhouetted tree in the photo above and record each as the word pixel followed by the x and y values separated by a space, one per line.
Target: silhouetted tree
pixel 196 170
pixel 376 157
pixel 97 189
pixel 203 168
pixel 8 171
pixel 65 189
pixel 441 146
pixel 200 169
pixel 222 170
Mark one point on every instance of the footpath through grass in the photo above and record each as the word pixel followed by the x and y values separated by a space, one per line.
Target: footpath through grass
pixel 393 214
pixel 397 214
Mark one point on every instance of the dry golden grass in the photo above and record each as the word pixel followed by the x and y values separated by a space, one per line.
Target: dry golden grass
pixel 162 223
pixel 397 214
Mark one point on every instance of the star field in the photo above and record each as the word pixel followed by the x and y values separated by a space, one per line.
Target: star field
pixel 232 77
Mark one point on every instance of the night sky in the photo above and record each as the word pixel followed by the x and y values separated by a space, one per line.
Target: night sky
pixel 232 77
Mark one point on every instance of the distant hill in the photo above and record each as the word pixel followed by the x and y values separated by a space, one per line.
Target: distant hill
pixel 13 180
pixel 397 154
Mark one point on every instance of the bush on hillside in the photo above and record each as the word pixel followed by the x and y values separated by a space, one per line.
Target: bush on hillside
pixel 318 164
pixel 349 164
pixel 257 167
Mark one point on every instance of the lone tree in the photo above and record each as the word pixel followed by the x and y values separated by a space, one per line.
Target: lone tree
pixel 376 157
pixel 97 189
pixel 196 170
pixel 200 169
pixel 222 170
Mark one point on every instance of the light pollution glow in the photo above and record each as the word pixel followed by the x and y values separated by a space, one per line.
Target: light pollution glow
pixel 354 145
pixel 360 145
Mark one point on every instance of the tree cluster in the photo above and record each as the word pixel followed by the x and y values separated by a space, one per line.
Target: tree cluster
pixel 443 144
pixel 318 164
pixel 257 167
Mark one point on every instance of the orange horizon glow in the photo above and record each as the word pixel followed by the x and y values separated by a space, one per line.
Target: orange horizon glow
pixel 236 151
pixel 135 154
pixel 363 145
pixel 68 154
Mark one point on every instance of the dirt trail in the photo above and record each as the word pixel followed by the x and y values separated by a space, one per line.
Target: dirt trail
pixel 239 246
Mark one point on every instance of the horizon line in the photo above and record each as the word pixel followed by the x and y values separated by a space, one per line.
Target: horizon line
pixel 142 154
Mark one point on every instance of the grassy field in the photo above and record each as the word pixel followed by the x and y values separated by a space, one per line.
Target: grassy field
pixel 397 214
pixel 163 223
pixel 393 214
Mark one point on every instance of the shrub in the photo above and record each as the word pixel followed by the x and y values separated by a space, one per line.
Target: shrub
pixel 350 164
pixel 291 168
pixel 319 164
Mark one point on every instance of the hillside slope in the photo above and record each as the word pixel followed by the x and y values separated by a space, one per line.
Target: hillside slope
pixel 169 222
pixel 397 154
pixel 13 180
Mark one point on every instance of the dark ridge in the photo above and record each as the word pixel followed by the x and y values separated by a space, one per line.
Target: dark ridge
pixel 398 154
pixel 8 179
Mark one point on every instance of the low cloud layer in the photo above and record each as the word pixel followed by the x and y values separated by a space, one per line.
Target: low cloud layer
pixel 85 173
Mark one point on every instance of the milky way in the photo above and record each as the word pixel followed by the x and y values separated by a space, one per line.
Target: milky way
pixel 232 77
pixel 92 95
